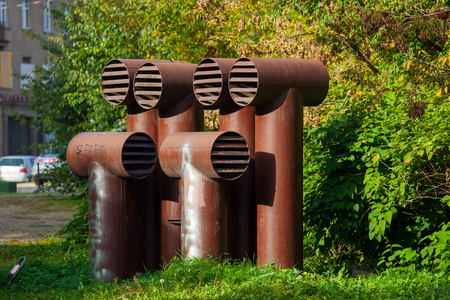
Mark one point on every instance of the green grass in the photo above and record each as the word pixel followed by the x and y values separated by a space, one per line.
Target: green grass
pixel 56 269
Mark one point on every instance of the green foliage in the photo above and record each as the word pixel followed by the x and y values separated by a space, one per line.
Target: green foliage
pixel 77 230
pixel 59 270
pixel 377 165
pixel 376 153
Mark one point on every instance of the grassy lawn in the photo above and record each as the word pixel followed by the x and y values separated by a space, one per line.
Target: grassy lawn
pixel 56 269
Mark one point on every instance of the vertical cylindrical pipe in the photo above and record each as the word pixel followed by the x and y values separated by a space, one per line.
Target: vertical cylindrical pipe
pixel 241 232
pixel 185 116
pixel 147 204
pixel 278 127
pixel 203 216
pixel 211 89
pixel 111 225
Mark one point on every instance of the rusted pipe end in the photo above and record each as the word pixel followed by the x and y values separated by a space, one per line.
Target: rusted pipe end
pixel 211 81
pixel 147 86
pixel 217 155
pixel 124 154
pixel 159 85
pixel 256 81
pixel 116 81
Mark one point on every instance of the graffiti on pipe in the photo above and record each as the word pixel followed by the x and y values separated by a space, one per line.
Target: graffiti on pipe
pixel 94 149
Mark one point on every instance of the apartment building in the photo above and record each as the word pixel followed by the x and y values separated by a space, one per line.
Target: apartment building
pixel 20 54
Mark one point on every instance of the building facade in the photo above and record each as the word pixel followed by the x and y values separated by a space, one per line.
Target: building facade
pixel 19 55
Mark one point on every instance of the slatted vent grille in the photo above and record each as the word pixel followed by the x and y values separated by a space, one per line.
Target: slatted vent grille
pixel 230 155
pixel 148 86
pixel 207 82
pixel 139 155
pixel 243 82
pixel 115 82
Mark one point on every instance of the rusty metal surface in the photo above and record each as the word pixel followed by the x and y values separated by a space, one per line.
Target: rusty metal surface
pixel 256 81
pixel 279 180
pixel 124 154
pixel 217 155
pixel 111 225
pixel 186 115
pixel 161 85
pixel 203 217
pixel 198 158
pixel 147 203
pixel 241 233
pixel 211 90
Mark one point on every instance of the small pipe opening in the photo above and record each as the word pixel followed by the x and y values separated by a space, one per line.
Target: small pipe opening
pixel 115 82
pixel 230 155
pixel 139 155
pixel 243 81
pixel 207 82
pixel 148 86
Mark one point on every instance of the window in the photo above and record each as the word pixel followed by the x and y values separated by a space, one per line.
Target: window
pixel 47 17
pixel 3 13
pixel 25 14
pixel 26 69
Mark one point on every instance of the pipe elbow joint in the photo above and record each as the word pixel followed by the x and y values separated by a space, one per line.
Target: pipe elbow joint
pixel 124 154
pixel 217 155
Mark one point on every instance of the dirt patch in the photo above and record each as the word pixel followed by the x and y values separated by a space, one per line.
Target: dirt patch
pixel 32 217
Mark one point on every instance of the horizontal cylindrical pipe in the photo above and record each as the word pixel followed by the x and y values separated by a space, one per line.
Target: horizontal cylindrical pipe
pixel 256 81
pixel 117 80
pixel 160 85
pixel 118 77
pixel 217 155
pixel 124 154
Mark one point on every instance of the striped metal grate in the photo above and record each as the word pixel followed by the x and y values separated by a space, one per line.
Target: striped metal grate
pixel 230 155
pixel 148 86
pixel 243 82
pixel 139 155
pixel 207 82
pixel 115 82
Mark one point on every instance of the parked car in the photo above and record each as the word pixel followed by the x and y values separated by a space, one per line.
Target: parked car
pixel 16 168
pixel 43 163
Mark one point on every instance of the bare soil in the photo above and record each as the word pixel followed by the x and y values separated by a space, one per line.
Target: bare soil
pixel 31 217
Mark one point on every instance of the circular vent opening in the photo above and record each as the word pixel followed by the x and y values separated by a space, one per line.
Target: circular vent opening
pixel 115 82
pixel 207 82
pixel 147 86
pixel 230 155
pixel 139 155
pixel 243 82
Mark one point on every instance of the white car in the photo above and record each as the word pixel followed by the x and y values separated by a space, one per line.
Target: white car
pixel 42 164
pixel 16 168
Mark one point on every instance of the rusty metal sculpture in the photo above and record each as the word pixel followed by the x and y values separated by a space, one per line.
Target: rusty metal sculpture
pixel 211 89
pixel 237 191
pixel 204 161
pixel 110 161
pixel 278 88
